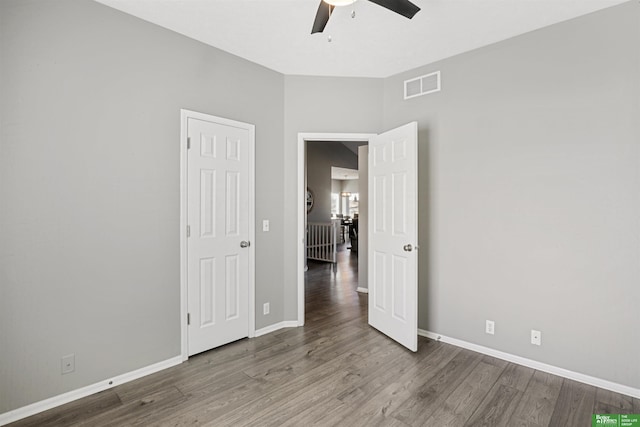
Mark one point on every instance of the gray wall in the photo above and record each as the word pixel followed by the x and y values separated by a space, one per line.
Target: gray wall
pixel 320 157
pixel 529 204
pixel 89 188
pixel 319 104
pixel 336 185
pixel 351 185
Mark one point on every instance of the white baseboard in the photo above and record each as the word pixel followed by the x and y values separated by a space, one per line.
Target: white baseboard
pixel 363 290
pixel 61 399
pixel 561 372
pixel 52 402
pixel 277 326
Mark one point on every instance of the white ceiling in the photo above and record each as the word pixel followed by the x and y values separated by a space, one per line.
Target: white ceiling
pixel 377 43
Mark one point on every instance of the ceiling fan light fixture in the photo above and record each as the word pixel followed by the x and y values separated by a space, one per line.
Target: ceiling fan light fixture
pixel 402 7
pixel 339 2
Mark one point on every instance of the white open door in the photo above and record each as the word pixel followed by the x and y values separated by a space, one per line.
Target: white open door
pixel 393 234
pixel 218 243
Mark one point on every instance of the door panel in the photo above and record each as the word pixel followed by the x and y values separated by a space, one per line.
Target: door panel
pixel 207 291
pixel 393 234
pixel 218 205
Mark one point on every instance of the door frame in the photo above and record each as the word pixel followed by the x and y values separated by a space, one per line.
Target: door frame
pixel 185 115
pixel 303 138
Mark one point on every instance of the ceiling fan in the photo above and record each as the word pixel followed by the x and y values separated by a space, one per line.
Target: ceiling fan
pixel 402 7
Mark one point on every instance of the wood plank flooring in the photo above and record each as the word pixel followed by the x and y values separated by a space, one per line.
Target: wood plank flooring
pixel 336 370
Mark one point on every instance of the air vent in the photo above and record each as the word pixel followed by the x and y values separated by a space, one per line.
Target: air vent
pixel 422 85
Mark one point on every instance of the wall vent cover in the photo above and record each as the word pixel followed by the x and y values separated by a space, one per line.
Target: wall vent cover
pixel 422 85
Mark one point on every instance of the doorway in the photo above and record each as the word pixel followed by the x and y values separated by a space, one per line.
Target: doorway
pixel 303 138
pixel 392 230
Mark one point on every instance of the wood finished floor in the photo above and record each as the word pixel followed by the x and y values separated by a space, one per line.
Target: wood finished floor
pixel 336 370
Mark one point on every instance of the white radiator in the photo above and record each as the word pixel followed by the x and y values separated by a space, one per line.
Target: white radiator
pixel 322 241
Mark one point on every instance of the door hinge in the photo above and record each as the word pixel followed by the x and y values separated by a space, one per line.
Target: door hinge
pixel 188 142
pixel 188 231
pixel 188 318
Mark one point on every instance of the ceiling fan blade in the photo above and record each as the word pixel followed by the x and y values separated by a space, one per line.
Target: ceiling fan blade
pixel 322 17
pixel 403 7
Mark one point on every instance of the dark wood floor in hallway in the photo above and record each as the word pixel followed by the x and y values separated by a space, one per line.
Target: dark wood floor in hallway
pixel 336 370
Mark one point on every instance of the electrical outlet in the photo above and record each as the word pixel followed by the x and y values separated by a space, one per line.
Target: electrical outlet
pixel 265 308
pixel 490 327
pixel 536 337
pixel 68 363
pixel 265 225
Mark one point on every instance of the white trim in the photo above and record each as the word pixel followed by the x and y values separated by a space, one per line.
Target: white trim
pixel 363 290
pixel 184 296
pixel 561 372
pixel 301 192
pixel 61 399
pixel 184 202
pixel 277 327
pixel 252 229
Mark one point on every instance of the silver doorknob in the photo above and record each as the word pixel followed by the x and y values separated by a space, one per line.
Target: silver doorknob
pixel 407 248
pixel 245 244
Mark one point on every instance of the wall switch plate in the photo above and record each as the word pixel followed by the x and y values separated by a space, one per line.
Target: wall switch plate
pixel 265 225
pixel 490 327
pixel 68 363
pixel 536 337
pixel 265 308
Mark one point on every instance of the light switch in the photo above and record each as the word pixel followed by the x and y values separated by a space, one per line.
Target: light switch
pixel 265 225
